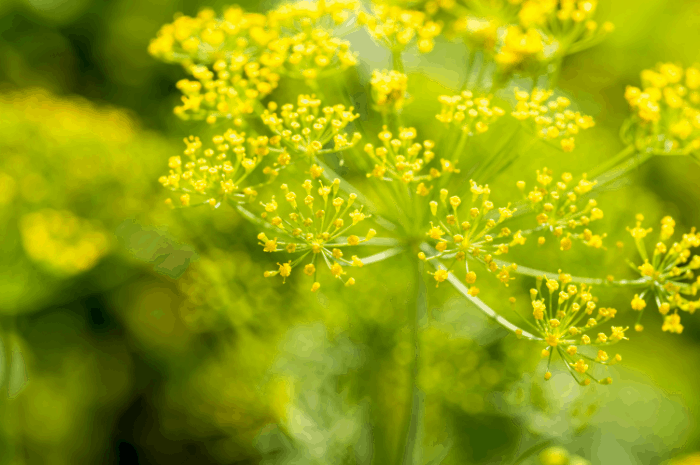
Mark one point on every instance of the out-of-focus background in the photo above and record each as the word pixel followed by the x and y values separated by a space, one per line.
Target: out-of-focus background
pixel 138 334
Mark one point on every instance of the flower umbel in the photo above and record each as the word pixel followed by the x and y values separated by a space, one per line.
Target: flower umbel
pixel 469 114
pixel 215 174
pixel 552 119
pixel 467 231
pixel 566 318
pixel 666 111
pixel 307 127
pixel 670 271
pixel 315 230
pixel 560 210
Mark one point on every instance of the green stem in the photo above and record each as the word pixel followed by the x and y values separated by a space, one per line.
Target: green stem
pixel 414 411
pixel 396 61
pixel 480 304
pixel 525 271
pixel 5 339
pixel 612 162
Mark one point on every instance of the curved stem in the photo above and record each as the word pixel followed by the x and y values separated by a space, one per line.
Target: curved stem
pixel 480 304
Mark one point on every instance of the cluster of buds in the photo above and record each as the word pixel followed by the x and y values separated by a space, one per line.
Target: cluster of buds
pixel 315 231
pixel 473 235
pixel 389 90
pixel 559 209
pixel 397 28
pixel 215 174
pixel 206 37
pixel 471 115
pixel 553 120
pixel 63 242
pixel 670 272
pixel 568 23
pixel 311 54
pixel 564 318
pixel 231 91
pixel 307 127
pixel 666 117
pixel 520 46
pixel 326 13
pixel 518 33
pixel 402 159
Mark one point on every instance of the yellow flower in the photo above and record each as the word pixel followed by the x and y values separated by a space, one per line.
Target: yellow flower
pixel 312 233
pixel 308 127
pixel 396 27
pixel 666 113
pixel 467 113
pixel 638 303
pixel 552 119
pixel 389 89
pixel 672 323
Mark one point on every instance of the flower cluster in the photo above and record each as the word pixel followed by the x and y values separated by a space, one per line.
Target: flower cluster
pixel 315 231
pixel 471 235
pixel 62 242
pixel 401 159
pixel 327 13
pixel 519 47
pixel 564 317
pixel 669 273
pixel 215 174
pixel 559 209
pixel 397 28
pixel 232 93
pixel 666 118
pixel 237 59
pixel 552 118
pixel 389 90
pixel 467 113
pixel 206 38
pixel 311 54
pixel 517 32
pixel 307 127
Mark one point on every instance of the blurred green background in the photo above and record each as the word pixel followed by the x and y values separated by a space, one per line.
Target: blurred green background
pixel 172 348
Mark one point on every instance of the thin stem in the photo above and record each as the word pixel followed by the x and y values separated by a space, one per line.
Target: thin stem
pixel 525 271
pixel 612 162
pixel 480 304
pixel 414 411
pixel 396 60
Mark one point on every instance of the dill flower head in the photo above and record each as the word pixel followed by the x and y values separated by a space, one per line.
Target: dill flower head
pixel 62 242
pixel 309 54
pixel 231 91
pixel 670 272
pixel 206 37
pixel 469 114
pixel 570 23
pixel 389 90
pixel 471 230
pixel 400 158
pixel 212 175
pixel 307 127
pixel 568 319
pixel 314 230
pixel 325 13
pixel 553 121
pixel 560 210
pixel 666 111
pixel 519 46
pixel 397 28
